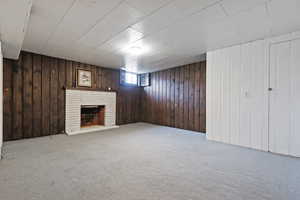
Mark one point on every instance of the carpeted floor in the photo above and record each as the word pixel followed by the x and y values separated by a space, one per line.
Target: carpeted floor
pixel 143 162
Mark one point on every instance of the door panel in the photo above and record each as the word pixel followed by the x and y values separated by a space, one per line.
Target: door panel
pixel 284 98
pixel 254 96
pixel 295 99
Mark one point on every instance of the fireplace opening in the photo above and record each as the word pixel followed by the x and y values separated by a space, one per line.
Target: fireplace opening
pixel 92 116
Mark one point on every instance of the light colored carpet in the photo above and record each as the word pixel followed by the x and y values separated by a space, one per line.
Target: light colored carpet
pixel 143 162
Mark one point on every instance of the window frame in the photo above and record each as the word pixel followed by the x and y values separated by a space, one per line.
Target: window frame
pixel 146 75
pixel 123 79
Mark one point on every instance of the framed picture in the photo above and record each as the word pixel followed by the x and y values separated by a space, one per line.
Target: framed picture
pixel 84 78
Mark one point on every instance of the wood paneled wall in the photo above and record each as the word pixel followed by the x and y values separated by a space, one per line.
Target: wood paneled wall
pixel 34 98
pixel 177 98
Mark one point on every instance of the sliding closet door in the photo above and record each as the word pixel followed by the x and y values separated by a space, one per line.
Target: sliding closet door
pixel 284 119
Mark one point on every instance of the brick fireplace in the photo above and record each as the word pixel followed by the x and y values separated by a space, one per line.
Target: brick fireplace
pixel 88 111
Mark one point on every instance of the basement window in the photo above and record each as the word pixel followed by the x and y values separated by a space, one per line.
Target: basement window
pixel 134 79
pixel 131 78
pixel 128 78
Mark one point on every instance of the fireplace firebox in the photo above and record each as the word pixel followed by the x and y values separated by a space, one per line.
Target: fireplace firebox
pixel 92 115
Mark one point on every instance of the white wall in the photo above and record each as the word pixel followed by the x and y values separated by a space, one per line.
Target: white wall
pixel 238 97
pixel 1 99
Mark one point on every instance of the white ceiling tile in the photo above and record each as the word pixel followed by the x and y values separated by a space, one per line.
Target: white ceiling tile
pixel 147 6
pixel 183 42
pixel 147 60
pixel 153 58
pixel 154 46
pixel 114 23
pixel 189 7
pixel 160 62
pixel 284 15
pixel 43 22
pixel 122 40
pixel 106 47
pixel 169 14
pixel 171 62
pixel 235 6
pixel 219 35
pixel 62 50
pixel 253 24
pixel 75 24
pixel 102 58
pixel 14 18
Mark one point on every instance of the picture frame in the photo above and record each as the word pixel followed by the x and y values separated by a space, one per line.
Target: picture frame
pixel 84 78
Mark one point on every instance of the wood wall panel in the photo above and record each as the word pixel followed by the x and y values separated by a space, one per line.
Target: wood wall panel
pixel 197 97
pixel 176 98
pixel 7 97
pixel 177 95
pixel 54 97
pixel 181 98
pixel 186 97
pixel 61 94
pixel 172 98
pixel 191 97
pixel 37 95
pixel 16 107
pixel 202 102
pixel 45 97
pixel 34 98
pixel 27 96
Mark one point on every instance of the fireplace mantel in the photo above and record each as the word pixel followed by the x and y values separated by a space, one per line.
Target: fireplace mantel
pixel 77 98
pixel 89 89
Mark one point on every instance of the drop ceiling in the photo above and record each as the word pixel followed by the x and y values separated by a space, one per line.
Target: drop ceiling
pixel 168 32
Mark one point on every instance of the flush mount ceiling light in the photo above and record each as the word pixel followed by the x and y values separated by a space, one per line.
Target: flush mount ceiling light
pixel 135 50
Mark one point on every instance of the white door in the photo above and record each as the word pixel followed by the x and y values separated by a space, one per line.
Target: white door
pixel 284 117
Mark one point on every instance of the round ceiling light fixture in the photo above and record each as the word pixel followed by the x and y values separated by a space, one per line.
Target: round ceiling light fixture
pixel 135 50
